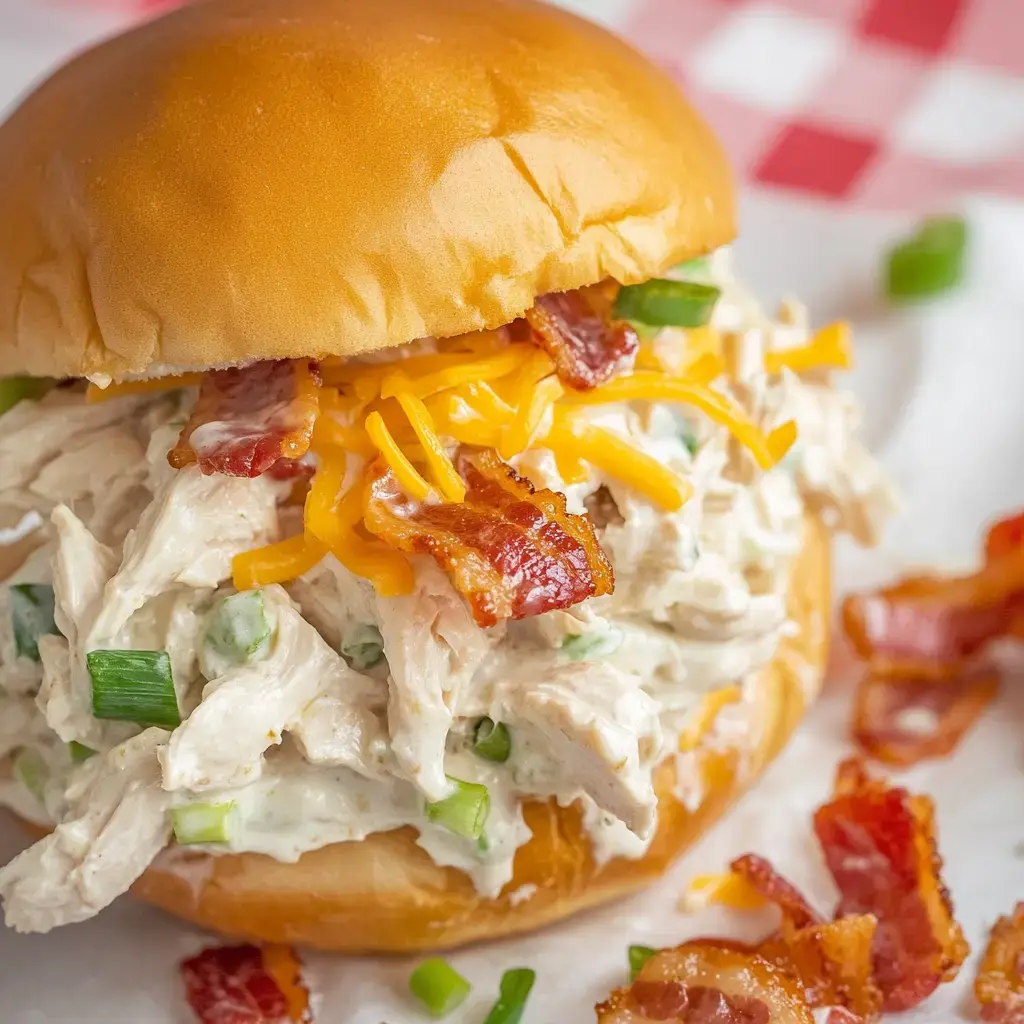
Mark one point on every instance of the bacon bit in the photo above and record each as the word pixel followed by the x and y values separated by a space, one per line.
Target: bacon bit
pixel 905 721
pixel 928 626
pixel 999 983
pixel 879 844
pixel 762 876
pixel 588 348
pixel 1005 537
pixel 247 418
pixel 511 551
pixel 841 1015
pixel 242 985
pixel 708 982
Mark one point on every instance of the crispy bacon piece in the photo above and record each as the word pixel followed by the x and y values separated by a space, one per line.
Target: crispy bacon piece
pixel 903 721
pixel 841 1015
pixel 1005 538
pixel 879 844
pixel 929 626
pixel 761 874
pixel 708 982
pixel 999 983
pixel 511 551
pixel 588 347
pixel 246 985
pixel 248 418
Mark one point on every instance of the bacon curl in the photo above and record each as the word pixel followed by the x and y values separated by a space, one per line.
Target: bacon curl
pixel 247 419
pixel 246 985
pixel 510 550
pixel 903 721
pixel 999 983
pixel 575 328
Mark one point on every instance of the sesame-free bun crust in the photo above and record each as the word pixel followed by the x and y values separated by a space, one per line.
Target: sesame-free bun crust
pixel 384 894
pixel 257 179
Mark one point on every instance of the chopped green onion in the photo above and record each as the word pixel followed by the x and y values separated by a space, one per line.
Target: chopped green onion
pixel 638 956
pixel 240 627
pixel 590 646
pixel 465 811
pixel 14 389
pixel 134 686
pixel 438 986
pixel 202 823
pixel 514 991
pixel 363 647
pixel 688 435
pixel 491 740
pixel 665 303
pixel 31 617
pixel 701 265
pixel 79 752
pixel 31 771
pixel 929 262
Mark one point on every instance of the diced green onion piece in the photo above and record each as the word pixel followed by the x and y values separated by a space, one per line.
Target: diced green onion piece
pixel 133 686
pixel 14 389
pixel 465 811
pixel 590 646
pixel 929 262
pixel 514 991
pixel 438 986
pixel 689 438
pixel 202 823
pixel 638 956
pixel 363 647
pixel 491 740
pixel 239 627
pixel 31 771
pixel 31 616
pixel 665 303
pixel 79 752
pixel 700 265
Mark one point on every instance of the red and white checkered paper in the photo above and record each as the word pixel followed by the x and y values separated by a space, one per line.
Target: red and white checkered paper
pixel 884 104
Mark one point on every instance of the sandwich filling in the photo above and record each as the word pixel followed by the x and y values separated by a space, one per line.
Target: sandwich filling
pixel 287 605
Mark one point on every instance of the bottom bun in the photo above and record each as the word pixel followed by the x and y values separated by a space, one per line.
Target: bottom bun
pixel 385 894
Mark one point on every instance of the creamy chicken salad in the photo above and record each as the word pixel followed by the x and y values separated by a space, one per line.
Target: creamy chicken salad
pixel 319 712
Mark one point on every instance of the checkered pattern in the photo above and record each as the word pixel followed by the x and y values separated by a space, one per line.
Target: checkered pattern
pixel 885 104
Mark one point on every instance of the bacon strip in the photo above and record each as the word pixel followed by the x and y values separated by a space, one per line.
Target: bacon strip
pixel 761 874
pixel 588 347
pixel 879 844
pixel 511 551
pixel 238 985
pixel 999 983
pixel 904 721
pixel 929 626
pixel 248 418
pixel 708 982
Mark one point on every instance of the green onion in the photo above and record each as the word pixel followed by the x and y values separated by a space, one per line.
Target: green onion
pixel 929 262
pixel 514 991
pixel 363 647
pixel 665 303
pixel 31 771
pixel 79 752
pixel 590 646
pixel 14 389
pixel 638 956
pixel 491 740
pixel 438 986
pixel 31 617
pixel 699 266
pixel 202 823
pixel 240 626
pixel 465 811
pixel 688 435
pixel 134 686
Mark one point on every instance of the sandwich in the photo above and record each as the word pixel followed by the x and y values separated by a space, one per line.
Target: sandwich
pixel 423 536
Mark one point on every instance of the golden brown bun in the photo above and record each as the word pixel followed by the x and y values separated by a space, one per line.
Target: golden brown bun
pixel 384 894
pixel 257 179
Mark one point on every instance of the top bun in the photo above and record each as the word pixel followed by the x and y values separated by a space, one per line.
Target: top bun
pixel 260 179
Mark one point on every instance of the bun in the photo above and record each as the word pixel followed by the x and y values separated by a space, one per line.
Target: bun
pixel 260 179
pixel 384 894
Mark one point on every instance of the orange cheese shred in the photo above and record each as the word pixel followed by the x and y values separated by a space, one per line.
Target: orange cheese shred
pixel 142 387
pixel 831 347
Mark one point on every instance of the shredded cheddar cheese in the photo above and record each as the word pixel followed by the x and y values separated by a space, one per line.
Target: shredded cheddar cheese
pixel 536 394
pixel 726 890
pixel 705 716
pixel 405 472
pixel 831 348
pixel 448 481
pixel 276 563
